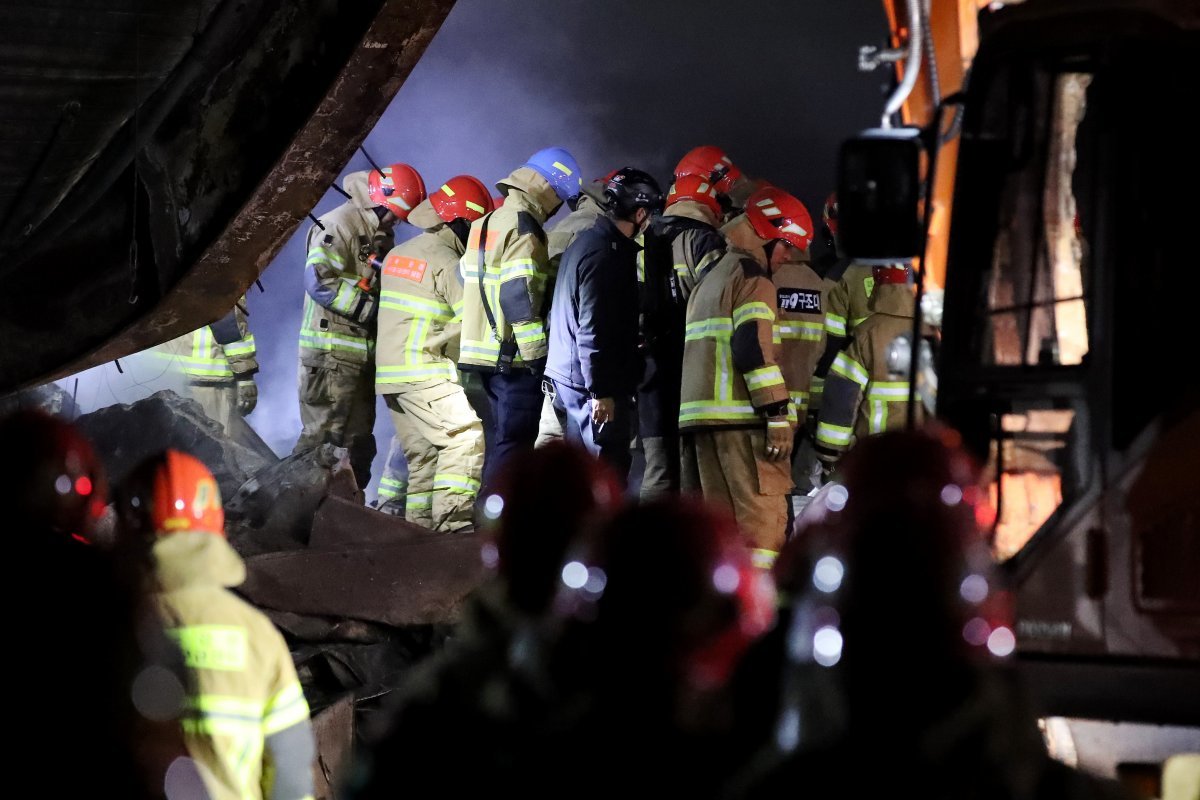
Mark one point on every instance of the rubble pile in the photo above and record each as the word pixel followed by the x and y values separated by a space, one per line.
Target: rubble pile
pixel 360 596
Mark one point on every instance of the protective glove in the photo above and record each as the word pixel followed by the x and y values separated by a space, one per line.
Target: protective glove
pixel 537 366
pixel 365 312
pixel 247 396
pixel 779 439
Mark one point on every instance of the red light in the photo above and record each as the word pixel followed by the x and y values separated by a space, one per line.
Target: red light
pixel 83 485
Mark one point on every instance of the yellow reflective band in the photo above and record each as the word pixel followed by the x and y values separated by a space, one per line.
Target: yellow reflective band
pixel 718 328
pixel 420 499
pixel 750 311
pixel 807 331
pixel 835 324
pixel 850 369
pixel 562 168
pixel 833 434
pixel 287 708
pixel 693 411
pixel 763 558
pixel 764 377
pixel 222 648
pixel 478 209
pixel 518 268
pixel 461 484
pixel 415 305
pixel 890 391
pixel 241 347
pixel 446 188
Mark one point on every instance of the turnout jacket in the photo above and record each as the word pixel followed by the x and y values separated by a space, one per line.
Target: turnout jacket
pixel 420 308
pixel 731 375
pixel 338 325
pixel 516 270
pixel 588 209
pixel 217 353
pixel 246 689
pixel 801 329
pixel 594 316
pixel 861 397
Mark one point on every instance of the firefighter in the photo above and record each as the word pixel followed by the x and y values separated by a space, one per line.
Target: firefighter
pixel 337 335
pixel 586 208
pixel 420 303
pixel 801 297
pixel 594 365
pixel 735 419
pixel 848 298
pixel 733 187
pixel 864 393
pixel 679 247
pixel 247 726
pixel 219 362
pixel 504 298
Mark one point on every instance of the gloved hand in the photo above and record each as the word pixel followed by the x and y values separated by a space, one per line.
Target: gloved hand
pixel 247 396
pixel 537 366
pixel 779 439
pixel 366 309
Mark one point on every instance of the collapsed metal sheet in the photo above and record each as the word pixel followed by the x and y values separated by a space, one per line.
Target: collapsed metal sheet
pixel 333 729
pixel 340 522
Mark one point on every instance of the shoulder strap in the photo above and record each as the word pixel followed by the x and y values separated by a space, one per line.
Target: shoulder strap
pixel 487 308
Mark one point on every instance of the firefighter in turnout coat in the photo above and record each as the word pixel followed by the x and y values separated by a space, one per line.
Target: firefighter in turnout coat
pixel 420 304
pixel 736 420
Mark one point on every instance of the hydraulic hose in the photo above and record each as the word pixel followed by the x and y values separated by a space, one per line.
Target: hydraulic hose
pixel 912 63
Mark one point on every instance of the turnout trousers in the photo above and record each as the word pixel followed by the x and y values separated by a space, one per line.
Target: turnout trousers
pixel 442 440
pixel 729 468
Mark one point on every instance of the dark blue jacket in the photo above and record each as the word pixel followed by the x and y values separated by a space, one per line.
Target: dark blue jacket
pixel 594 314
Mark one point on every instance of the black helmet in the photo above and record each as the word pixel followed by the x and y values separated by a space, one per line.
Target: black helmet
pixel 629 189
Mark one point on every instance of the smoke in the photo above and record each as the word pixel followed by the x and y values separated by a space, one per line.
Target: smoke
pixel 619 83
pixel 139 375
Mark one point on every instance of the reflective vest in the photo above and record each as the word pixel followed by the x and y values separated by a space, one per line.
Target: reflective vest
pixel 515 275
pixel 246 687
pixel 216 353
pixel 861 396
pixel 730 358
pixel 420 312
pixel 330 331
pixel 800 328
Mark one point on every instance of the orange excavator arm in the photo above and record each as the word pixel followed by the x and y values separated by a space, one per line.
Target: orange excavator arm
pixel 952 37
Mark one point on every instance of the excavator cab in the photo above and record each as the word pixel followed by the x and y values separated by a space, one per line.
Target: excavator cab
pixel 1066 358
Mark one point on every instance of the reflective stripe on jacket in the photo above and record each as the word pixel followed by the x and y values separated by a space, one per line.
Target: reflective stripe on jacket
pixel 730 361
pixel 861 397
pixel 516 269
pixel 216 353
pixel 246 687
pixel 332 269
pixel 801 330
pixel 420 311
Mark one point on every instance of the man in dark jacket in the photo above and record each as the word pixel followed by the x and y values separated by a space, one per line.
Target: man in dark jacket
pixel 593 368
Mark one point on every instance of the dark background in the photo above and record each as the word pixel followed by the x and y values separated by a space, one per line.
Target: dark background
pixel 616 82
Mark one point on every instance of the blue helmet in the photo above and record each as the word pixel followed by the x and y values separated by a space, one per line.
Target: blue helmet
pixel 561 169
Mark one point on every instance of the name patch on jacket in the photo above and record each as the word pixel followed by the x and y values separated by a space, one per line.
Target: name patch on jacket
pixel 800 301
pixel 412 269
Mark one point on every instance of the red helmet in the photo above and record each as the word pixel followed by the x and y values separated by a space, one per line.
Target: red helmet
pixel 712 163
pixel 697 188
pixel 51 479
pixel 461 197
pixel 397 188
pixel 674 583
pixel 829 214
pixel 775 214
pixel 543 499
pixel 172 493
